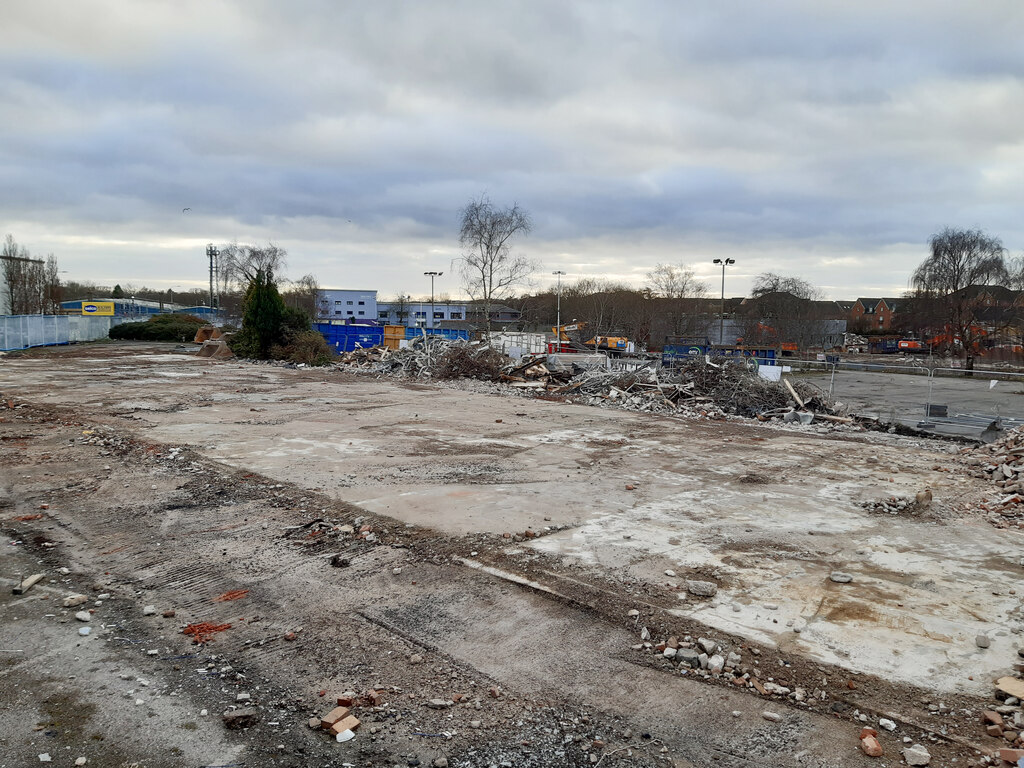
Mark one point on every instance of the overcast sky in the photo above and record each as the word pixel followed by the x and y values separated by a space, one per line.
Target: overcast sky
pixel 827 140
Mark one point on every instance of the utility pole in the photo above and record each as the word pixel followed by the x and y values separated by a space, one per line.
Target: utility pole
pixel 432 276
pixel 558 311
pixel 213 252
pixel 721 314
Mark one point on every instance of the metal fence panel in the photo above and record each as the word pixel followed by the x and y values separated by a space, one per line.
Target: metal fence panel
pixel 24 331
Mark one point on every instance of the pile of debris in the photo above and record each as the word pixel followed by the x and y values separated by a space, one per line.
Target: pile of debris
pixel 698 388
pixel 1005 721
pixel 340 722
pixel 370 357
pixel 431 357
pixel 1001 462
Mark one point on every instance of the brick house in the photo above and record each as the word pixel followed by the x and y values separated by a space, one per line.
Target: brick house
pixel 874 314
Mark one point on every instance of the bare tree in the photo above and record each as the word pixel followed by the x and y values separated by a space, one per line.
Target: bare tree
pixel 25 279
pixel 784 310
pixel 681 292
pixel 490 270
pixel 675 281
pixel 302 294
pixel 52 291
pixel 952 281
pixel 769 282
pixel 239 264
pixel 400 305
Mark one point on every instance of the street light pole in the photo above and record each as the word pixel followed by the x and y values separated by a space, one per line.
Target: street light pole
pixel 721 314
pixel 558 311
pixel 432 276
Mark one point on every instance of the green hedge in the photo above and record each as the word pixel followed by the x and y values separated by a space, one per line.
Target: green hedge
pixel 168 327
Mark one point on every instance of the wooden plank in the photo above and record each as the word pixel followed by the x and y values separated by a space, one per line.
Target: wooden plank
pixel 27 584
pixel 794 394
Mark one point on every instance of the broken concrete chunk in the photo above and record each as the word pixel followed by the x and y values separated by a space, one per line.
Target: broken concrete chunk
pixel 709 646
pixel 439 704
pixel 688 656
pixel 1012 686
pixel 83 616
pixel 916 755
pixel 702 588
pixel 73 600
pixel 982 641
pixel 149 610
pixel 771 716
pixel 840 577
pixel 240 718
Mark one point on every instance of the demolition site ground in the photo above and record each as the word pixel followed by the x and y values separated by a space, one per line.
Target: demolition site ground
pixel 492 578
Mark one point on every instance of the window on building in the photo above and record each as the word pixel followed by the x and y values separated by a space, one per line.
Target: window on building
pixel 439 315
pixel 349 312
pixel 337 303
pixel 349 303
pixel 456 316
pixel 419 314
pixel 382 314
pixel 361 313
pixel 362 303
pixel 337 311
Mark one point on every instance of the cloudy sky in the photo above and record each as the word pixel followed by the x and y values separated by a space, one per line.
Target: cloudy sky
pixel 821 139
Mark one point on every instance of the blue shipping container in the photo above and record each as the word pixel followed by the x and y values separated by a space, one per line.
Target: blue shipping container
pixel 345 338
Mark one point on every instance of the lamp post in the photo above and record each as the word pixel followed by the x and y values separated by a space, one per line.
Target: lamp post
pixel 558 311
pixel 432 276
pixel 721 314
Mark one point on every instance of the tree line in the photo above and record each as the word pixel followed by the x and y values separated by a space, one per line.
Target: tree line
pixel 32 285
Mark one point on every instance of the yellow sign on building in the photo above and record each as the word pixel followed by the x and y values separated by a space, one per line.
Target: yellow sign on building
pixel 105 308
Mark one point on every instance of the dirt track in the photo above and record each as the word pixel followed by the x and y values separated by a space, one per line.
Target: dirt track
pixel 171 481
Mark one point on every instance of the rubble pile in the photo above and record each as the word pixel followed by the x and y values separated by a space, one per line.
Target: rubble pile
pixel 1005 720
pixel 704 657
pixel 1001 462
pixel 698 388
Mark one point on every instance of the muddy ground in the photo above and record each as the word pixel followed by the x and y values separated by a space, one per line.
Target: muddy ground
pixel 457 542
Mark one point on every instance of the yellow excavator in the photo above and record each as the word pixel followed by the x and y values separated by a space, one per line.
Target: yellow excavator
pixel 615 345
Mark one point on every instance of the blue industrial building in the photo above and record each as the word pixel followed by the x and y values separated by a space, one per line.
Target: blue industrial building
pixel 136 307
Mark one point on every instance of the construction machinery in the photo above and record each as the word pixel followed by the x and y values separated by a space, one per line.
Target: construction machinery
pixel 613 345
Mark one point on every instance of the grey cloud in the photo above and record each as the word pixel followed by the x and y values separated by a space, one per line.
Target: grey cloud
pixel 808 127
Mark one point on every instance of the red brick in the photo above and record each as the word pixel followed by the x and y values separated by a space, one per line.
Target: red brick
pixel 990 717
pixel 865 732
pixel 350 723
pixel 871 746
pixel 1010 755
pixel 336 714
